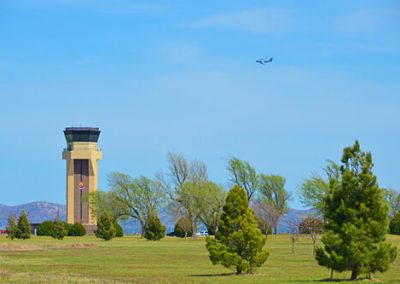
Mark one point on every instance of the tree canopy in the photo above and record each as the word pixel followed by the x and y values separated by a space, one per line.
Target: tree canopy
pixel 273 198
pixel 138 197
pixel 314 190
pixel 244 175
pixel 356 219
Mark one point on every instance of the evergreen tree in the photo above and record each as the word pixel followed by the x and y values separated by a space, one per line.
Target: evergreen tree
pixel 239 242
pixel 395 225
pixel 119 231
pixel 356 219
pixel 105 228
pixel 58 231
pixel 24 230
pixel 154 230
pixel 12 227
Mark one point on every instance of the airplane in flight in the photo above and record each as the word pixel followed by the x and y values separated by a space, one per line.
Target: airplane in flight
pixel 264 60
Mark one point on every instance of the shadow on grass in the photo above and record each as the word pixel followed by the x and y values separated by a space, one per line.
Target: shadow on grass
pixel 334 280
pixel 213 275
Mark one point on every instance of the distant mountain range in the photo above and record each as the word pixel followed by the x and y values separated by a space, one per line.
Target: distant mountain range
pixel 41 211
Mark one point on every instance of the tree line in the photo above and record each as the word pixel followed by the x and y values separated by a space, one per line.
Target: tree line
pixel 188 194
pixel 351 211
pixel 354 211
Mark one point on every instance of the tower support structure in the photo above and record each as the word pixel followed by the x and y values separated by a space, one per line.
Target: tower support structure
pixel 82 155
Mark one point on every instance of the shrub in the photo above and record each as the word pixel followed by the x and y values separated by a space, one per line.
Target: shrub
pixel 183 228
pixel 46 228
pixel 67 227
pixel 77 230
pixel 154 230
pixel 58 231
pixel 12 227
pixel 24 230
pixel 105 228
pixel 119 231
pixel 395 225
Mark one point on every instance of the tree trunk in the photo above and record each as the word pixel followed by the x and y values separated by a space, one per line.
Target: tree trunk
pixel 354 274
pixel 194 227
pixel 313 246
pixel 276 229
pixel 293 244
pixel 238 270
pixel 142 228
pixel 331 273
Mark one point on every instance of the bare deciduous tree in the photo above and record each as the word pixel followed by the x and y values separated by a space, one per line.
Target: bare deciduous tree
pixel 293 226
pixel 313 226
pixel 265 215
pixel 186 187
pixel 275 197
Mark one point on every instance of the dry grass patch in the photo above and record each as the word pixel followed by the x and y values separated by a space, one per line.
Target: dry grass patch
pixel 47 278
pixel 7 247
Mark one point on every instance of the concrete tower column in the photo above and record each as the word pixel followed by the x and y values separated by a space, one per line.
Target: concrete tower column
pixel 81 154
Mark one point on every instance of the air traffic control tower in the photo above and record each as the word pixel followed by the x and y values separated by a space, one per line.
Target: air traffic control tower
pixel 81 154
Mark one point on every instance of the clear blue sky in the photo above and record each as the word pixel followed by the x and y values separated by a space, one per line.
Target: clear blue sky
pixel 180 76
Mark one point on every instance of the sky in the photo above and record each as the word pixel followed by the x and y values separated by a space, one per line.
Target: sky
pixel 181 76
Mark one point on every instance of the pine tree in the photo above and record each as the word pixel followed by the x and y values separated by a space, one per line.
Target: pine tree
pixel 154 230
pixel 105 228
pixel 239 242
pixel 12 227
pixel 356 219
pixel 24 230
pixel 58 232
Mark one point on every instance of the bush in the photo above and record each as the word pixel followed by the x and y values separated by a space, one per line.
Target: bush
pixel 154 230
pixel 395 225
pixel 77 230
pixel 45 228
pixel 183 228
pixel 67 227
pixel 105 228
pixel 24 230
pixel 119 231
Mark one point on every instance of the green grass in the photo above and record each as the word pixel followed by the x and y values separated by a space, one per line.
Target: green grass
pixel 171 260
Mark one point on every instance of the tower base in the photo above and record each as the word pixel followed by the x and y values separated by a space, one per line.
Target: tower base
pixel 90 229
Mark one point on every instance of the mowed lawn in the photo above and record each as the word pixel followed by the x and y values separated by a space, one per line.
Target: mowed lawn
pixel 171 260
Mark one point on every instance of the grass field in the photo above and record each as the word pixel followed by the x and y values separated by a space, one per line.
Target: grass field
pixel 171 260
